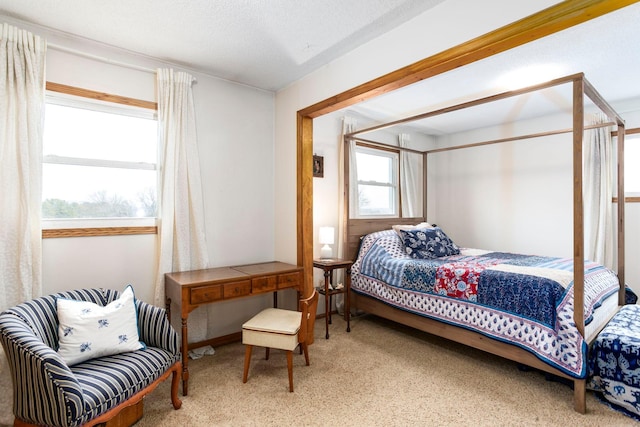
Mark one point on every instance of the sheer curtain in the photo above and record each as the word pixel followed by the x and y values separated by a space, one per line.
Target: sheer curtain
pixel 598 193
pixel 22 86
pixel 410 179
pixel 182 242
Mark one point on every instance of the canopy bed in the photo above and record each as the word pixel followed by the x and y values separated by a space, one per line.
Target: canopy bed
pixel 581 297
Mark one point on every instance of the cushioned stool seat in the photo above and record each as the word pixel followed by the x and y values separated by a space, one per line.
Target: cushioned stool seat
pixel 281 329
pixel 273 327
pixel 614 362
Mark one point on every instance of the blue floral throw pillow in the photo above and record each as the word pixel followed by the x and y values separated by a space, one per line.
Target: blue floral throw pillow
pixel 428 243
pixel 88 330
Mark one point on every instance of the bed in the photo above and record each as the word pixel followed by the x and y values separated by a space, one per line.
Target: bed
pixel 579 297
pixel 523 300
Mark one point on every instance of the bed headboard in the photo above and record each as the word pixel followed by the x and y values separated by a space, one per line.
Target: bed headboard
pixel 357 228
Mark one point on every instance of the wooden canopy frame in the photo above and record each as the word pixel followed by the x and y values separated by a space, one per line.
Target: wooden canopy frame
pixel 581 89
pixel 356 228
pixel 548 21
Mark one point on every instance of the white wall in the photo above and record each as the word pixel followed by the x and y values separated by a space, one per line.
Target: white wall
pixel 235 127
pixel 514 196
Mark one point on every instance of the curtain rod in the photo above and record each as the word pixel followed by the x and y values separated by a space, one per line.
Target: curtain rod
pixel 103 59
pixel 98 58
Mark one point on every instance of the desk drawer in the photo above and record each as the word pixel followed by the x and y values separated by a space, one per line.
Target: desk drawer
pixel 264 284
pixel 289 280
pixel 205 294
pixel 237 289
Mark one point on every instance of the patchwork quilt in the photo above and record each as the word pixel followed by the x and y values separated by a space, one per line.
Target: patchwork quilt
pixel 521 299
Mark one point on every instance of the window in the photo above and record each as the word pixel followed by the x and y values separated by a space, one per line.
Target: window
pixel 631 173
pixel 99 160
pixel 377 182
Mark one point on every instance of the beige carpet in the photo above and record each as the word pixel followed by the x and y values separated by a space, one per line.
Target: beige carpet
pixel 380 374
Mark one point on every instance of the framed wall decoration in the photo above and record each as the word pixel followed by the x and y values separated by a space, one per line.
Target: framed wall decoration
pixel 318 166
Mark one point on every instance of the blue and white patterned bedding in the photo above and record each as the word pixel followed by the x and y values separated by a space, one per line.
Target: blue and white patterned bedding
pixel 523 300
pixel 614 362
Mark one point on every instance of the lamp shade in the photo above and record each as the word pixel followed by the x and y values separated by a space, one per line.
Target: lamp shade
pixel 325 235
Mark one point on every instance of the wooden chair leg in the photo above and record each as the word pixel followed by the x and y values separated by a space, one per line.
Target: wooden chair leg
pixel 175 384
pixel 290 368
pixel 266 353
pixel 247 361
pixel 306 352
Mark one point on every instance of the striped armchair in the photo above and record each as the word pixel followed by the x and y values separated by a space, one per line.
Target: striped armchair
pixel 48 392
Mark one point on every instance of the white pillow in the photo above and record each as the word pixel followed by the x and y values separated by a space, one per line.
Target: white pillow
pixel 399 227
pixel 88 330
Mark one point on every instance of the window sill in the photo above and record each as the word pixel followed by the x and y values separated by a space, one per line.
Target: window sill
pixel 98 227
pixel 53 233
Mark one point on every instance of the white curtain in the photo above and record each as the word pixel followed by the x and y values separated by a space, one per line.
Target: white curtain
pixel 22 86
pixel 182 242
pixel 598 192
pixel 411 181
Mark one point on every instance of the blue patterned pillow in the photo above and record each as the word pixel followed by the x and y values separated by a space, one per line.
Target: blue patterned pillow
pixel 428 243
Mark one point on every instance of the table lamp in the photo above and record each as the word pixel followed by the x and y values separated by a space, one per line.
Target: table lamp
pixel 325 237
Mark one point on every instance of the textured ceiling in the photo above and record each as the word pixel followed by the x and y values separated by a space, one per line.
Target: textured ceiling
pixel 267 44
pixel 605 49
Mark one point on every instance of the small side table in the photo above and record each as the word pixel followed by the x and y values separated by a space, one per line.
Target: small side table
pixel 328 265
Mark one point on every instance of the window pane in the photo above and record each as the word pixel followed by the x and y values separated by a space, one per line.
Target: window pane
pixel 376 200
pixel 89 134
pixel 374 168
pixel 631 173
pixel 117 147
pixel 70 191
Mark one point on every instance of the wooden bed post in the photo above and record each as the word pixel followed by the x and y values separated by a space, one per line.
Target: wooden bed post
pixel 578 206
pixel 621 202
pixel 425 183
pixel 346 251
pixel 579 385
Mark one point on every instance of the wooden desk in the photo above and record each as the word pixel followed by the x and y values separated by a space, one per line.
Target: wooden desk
pixel 191 289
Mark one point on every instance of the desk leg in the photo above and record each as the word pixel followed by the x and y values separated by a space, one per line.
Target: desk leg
pixel 347 308
pixel 185 358
pixel 327 302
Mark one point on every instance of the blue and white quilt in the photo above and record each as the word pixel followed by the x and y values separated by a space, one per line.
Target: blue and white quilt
pixel 523 300
pixel 614 362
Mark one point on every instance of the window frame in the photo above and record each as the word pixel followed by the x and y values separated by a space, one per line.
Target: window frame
pixel 98 227
pixel 394 185
pixel 631 196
